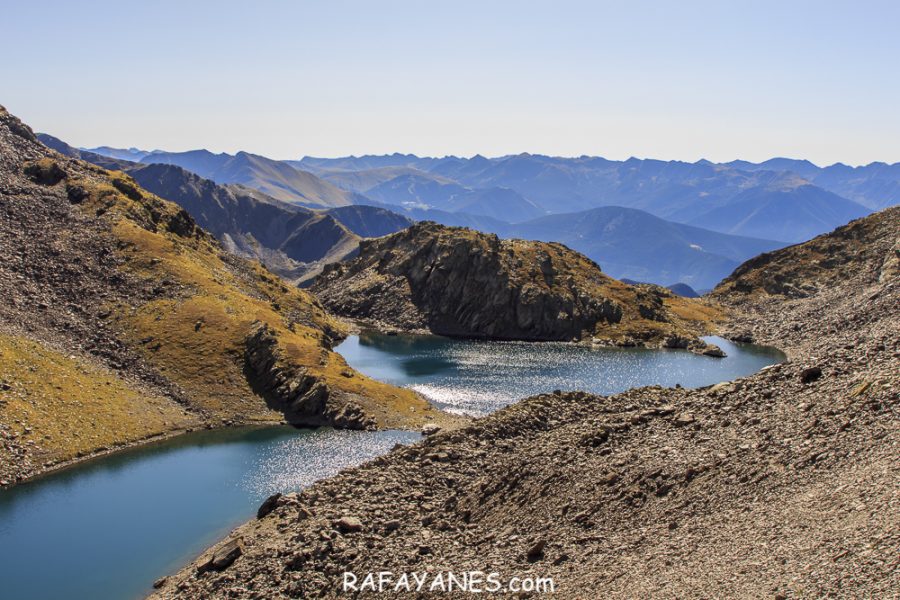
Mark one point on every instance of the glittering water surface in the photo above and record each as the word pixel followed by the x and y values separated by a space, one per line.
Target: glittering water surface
pixel 478 377
pixel 109 527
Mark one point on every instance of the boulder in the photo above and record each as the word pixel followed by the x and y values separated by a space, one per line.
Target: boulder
pixel 268 505
pixel 76 193
pixel 430 429
pixel 536 551
pixel 348 524
pixel 713 350
pixel 45 171
pixel 810 374
pixel 224 556
pixel 684 419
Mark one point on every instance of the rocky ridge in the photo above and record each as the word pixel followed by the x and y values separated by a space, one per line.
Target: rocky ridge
pixel 458 282
pixel 778 485
pixel 290 240
pixel 123 321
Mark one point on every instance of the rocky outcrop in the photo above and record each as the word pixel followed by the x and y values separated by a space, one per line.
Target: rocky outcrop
pixel 288 386
pixel 778 485
pixel 304 399
pixel 828 261
pixel 458 282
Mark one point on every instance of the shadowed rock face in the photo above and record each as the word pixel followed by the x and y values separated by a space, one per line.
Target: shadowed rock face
pixel 457 282
pixel 303 398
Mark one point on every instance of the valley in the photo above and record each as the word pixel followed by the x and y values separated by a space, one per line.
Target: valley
pixel 143 339
pixel 346 300
pixel 150 510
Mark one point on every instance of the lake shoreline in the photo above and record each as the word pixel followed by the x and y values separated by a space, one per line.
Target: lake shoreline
pixel 123 447
pixel 149 510
pixel 491 374
pixel 650 492
pixel 174 443
pixel 695 344
pixel 356 327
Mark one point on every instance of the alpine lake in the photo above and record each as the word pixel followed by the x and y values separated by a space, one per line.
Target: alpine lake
pixel 107 528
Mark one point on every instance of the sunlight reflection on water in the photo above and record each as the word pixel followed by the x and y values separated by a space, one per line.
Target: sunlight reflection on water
pixel 296 462
pixel 478 377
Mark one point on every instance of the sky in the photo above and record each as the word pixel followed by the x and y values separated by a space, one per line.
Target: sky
pixel 671 80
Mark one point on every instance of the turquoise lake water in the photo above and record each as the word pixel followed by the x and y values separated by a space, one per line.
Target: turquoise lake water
pixel 107 528
pixel 478 377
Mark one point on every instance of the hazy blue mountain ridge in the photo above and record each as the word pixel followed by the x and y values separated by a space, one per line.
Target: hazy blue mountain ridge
pixel 664 221
pixel 715 196
pixel 273 177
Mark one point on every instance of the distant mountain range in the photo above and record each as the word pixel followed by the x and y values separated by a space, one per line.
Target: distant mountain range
pixel 427 192
pixel 627 243
pixel 636 245
pixel 875 186
pixel 273 177
pixel 658 221
pixel 291 240
pixel 129 154
pixel 771 203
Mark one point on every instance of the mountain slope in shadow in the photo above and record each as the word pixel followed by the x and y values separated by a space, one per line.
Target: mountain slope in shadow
pixel 291 240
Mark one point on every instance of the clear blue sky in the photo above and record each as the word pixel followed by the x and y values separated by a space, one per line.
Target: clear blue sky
pixel 686 80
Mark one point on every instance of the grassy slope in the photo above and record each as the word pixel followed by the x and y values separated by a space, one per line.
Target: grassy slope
pixel 69 407
pixel 200 334
pixel 191 333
